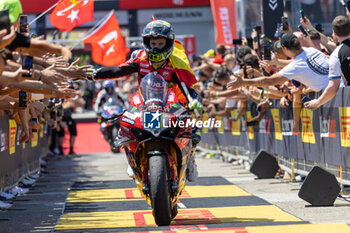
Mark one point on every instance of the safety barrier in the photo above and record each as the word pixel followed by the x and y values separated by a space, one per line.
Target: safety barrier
pixel 324 138
pixel 19 160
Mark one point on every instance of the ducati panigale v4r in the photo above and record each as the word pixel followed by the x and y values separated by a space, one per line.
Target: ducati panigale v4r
pixel 157 145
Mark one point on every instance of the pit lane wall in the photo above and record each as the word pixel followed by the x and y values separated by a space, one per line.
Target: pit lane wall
pixel 324 137
pixel 19 160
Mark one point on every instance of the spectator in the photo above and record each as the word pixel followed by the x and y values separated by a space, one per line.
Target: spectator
pixel 330 45
pixel 339 64
pixel 69 108
pixel 309 67
pixel 220 54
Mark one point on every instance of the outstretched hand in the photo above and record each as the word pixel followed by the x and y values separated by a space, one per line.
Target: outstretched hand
pixel 66 93
pixel 51 77
pixel 306 24
pixel 79 72
pixel 236 83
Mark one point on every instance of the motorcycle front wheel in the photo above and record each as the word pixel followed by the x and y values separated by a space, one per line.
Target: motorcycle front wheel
pixel 160 198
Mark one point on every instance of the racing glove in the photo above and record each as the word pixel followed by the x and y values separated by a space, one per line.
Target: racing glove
pixel 196 104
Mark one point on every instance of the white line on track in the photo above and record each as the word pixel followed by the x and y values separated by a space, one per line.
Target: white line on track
pixel 181 205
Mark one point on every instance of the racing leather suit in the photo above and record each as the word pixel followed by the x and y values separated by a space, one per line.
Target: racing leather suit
pixel 139 63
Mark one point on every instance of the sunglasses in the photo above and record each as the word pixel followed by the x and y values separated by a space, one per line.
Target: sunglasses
pixel 279 45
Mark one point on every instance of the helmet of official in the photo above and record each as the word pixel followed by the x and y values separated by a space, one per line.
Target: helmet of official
pixel 158 29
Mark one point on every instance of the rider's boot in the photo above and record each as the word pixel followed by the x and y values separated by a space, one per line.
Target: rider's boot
pixel 192 172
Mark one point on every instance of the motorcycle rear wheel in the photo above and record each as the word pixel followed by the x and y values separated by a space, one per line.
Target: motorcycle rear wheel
pixel 160 197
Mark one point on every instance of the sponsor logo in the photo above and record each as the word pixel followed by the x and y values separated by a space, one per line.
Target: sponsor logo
pixel 220 122
pixel 315 64
pixel 287 127
pixel 344 115
pixel 4 142
pixel 12 136
pixel 144 71
pixel 327 127
pixel 277 122
pixel 151 120
pixel 180 111
pixel 136 99
pixel 165 74
pixel 158 84
pixel 153 107
pixel 236 124
pixel 171 97
pixel 264 126
pixel 129 121
pixel 307 131
pixel 144 65
pixel 225 23
pixel 130 115
pixel 250 128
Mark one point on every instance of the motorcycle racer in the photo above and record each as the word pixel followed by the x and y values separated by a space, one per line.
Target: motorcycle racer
pixel 159 41
pixel 108 90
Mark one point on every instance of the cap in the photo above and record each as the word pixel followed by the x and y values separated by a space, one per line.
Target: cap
pixel 210 53
pixel 318 27
pixel 288 40
pixel 13 6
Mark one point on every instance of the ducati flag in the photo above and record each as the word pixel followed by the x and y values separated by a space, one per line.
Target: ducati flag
pixel 69 14
pixel 224 14
pixel 107 43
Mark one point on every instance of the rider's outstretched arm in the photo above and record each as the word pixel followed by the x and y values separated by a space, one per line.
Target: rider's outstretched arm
pixel 113 72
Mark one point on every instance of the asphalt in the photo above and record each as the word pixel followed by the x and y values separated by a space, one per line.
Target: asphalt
pixel 41 209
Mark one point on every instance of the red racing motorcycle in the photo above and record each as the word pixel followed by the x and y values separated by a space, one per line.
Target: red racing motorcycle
pixel 158 145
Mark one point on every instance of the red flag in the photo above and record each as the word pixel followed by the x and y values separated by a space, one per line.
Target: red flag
pixel 69 14
pixel 224 14
pixel 107 43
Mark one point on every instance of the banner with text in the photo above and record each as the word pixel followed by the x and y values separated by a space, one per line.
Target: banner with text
pixel 224 14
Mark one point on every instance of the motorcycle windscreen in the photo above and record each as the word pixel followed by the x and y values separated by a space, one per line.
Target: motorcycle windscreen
pixel 153 89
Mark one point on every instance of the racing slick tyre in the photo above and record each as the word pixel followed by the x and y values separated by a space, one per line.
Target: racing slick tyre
pixel 160 197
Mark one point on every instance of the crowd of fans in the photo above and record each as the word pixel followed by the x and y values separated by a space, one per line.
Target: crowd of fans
pixel 287 68
pixel 39 85
pixel 36 85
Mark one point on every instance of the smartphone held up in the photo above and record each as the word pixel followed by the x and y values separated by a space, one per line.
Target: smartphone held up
pixel 5 21
pixel 267 52
pixel 302 15
pixel 22 99
pixel 23 24
pixel 284 22
pixel 27 64
pixel 302 29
